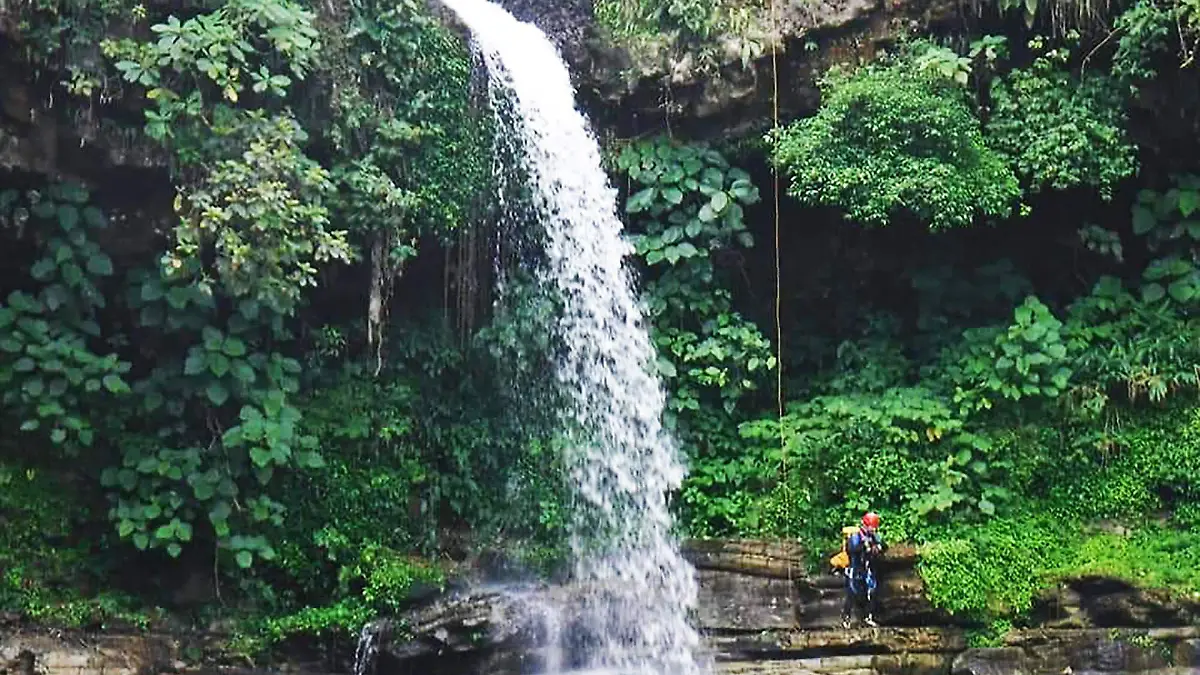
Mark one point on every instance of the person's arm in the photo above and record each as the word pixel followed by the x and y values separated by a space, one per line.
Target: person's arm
pixel 855 547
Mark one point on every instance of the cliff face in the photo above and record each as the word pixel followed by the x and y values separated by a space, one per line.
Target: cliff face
pixel 663 86
pixel 761 614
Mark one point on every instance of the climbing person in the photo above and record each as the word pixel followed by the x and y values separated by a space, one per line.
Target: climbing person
pixel 862 548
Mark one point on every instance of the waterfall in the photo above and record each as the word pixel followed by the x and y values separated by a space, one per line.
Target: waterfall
pixel 633 615
pixel 368 649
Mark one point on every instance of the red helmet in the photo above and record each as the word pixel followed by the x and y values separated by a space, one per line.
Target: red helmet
pixel 871 519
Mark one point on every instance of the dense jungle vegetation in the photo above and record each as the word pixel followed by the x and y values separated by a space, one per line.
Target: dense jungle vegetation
pixel 229 393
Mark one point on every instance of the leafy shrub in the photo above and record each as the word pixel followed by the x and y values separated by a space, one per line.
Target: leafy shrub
pixel 891 140
pixel 1059 131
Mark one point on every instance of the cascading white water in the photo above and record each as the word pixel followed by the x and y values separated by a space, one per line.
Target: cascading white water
pixel 633 615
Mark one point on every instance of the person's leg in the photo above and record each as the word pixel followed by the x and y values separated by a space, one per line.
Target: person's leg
pixel 849 600
pixel 872 600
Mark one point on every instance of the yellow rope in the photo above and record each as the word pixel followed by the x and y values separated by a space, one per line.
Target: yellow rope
pixel 778 276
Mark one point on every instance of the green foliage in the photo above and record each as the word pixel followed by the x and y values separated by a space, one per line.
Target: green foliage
pixel 1029 359
pixel 1171 222
pixel 991 635
pixel 45 552
pixel 893 140
pixel 411 153
pixel 1001 567
pixel 1059 131
pixel 633 17
pixel 1154 33
pixel 250 194
pixel 263 214
pixel 244 44
pixel 51 372
pixel 997 567
pixel 702 35
pixel 687 205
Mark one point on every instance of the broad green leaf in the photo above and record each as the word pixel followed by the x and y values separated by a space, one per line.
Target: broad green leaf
pixel 218 364
pixel 43 269
pixel 1143 220
pixel 154 401
pixel 211 337
pixel 203 490
pixel 195 363
pixel 673 195
pixel 244 559
pixel 115 384
pixel 1153 292
pixel 178 297
pixel 235 347
pixel 641 201
pixel 743 189
pixel 308 459
pixel 249 309
pixel 1182 290
pixel 68 217
pixel 244 372
pixel 719 201
pixel 93 217
pixel 34 387
pixel 44 209
pixel 217 393
pixel 100 265
pixel 151 290
pixel 72 274
pixel 1189 201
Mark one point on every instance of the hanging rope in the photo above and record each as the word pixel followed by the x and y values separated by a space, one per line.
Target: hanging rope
pixel 783 469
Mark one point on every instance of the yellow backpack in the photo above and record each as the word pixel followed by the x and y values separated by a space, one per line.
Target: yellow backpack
pixel 842 560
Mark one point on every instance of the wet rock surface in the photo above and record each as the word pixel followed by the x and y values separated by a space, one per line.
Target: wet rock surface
pixel 28 651
pixel 633 93
pixel 763 613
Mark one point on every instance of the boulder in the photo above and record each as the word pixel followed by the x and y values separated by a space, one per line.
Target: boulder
pixel 27 652
pixel 1187 653
pixel 994 661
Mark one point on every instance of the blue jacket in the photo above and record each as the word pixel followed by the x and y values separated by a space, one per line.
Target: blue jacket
pixel 857 546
